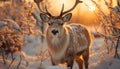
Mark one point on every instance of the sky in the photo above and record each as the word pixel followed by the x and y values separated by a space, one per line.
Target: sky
pixel 81 14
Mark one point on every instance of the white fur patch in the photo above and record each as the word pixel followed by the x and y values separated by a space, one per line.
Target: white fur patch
pixel 55 40
pixel 57 56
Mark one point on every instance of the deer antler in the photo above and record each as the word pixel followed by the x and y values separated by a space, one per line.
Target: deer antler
pixel 37 3
pixel 76 3
pixel 62 13
pixel 47 12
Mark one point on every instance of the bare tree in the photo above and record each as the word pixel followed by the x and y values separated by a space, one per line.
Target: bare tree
pixel 108 22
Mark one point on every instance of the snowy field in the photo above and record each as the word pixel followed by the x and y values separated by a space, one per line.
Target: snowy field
pixel 99 59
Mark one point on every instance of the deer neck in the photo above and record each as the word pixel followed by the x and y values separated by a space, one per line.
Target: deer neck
pixel 60 42
pixel 58 50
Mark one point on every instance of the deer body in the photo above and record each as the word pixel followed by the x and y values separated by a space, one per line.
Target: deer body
pixel 66 42
pixel 73 42
pixel 74 39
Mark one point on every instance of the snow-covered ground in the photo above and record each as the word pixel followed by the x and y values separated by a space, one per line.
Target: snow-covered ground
pixel 99 59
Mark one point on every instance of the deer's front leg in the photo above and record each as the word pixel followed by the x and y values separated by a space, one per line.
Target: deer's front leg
pixel 86 58
pixel 53 63
pixel 70 63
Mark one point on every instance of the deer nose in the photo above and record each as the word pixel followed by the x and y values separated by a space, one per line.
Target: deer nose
pixel 54 32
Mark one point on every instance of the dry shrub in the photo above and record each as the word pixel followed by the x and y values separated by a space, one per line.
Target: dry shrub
pixel 109 23
pixel 10 39
pixel 15 21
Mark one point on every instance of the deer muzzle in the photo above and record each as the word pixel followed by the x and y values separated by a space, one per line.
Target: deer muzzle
pixel 54 32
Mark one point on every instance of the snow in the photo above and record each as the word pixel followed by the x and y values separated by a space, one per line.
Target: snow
pixel 99 59
pixel 31 55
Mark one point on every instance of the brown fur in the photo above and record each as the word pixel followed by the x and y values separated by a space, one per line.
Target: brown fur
pixel 79 38
pixel 67 42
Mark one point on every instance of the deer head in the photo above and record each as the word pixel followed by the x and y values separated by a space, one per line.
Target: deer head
pixel 56 23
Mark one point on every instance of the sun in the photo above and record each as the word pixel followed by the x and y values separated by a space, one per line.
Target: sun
pixel 92 8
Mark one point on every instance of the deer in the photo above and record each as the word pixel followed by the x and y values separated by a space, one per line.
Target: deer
pixel 66 41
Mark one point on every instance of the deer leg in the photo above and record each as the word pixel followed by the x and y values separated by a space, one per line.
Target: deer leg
pixel 53 63
pixel 70 63
pixel 79 62
pixel 86 58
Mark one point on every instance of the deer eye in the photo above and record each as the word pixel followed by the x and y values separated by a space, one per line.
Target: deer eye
pixel 61 23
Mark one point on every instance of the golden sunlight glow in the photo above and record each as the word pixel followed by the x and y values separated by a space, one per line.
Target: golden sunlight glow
pixel 92 8
pixel 55 6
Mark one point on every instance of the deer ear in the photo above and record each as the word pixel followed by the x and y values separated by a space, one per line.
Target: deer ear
pixel 44 17
pixel 67 17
